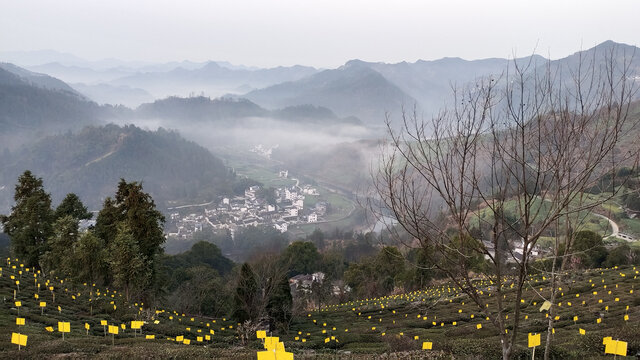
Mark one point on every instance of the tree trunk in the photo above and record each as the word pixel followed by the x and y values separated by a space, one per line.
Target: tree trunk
pixel 547 345
pixel 506 348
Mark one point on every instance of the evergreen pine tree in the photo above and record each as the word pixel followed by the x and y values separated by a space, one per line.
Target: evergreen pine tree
pixel 29 224
pixel 71 205
pixel 246 298
pixel 280 303
pixel 59 257
pixel 107 221
pixel 127 264
pixel 89 258
pixel 138 210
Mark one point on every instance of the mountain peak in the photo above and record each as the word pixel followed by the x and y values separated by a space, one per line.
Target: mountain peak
pixel 356 63
pixel 211 65
pixel 611 45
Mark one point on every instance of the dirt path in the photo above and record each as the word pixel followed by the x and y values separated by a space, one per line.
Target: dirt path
pixel 614 227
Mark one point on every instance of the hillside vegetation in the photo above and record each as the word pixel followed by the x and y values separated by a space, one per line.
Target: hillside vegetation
pixel 91 162
pixel 363 329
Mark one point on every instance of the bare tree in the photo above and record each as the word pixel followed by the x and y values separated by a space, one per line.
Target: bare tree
pixel 500 168
pixel 259 291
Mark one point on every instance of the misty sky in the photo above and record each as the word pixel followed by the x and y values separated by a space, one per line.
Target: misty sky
pixel 322 33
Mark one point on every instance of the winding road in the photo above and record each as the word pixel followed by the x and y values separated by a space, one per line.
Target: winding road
pixel 614 227
pixel 616 230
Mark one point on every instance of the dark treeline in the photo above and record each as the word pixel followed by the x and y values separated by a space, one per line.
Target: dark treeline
pixel 122 250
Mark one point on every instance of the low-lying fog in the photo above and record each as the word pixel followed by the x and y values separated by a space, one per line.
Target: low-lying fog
pixel 330 151
pixel 265 131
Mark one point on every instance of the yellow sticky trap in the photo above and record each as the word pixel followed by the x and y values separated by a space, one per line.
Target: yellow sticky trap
pixel 616 347
pixel 545 306
pixel 19 321
pixel 150 337
pixel 113 329
pixel 261 334
pixel 270 355
pixel 427 345
pixel 64 327
pixel 271 342
pixel 19 339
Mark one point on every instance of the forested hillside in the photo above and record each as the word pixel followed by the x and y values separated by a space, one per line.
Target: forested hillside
pixel 92 161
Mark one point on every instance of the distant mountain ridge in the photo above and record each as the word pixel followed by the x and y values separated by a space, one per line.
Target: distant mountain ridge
pixel 212 79
pixel 366 90
pixel 115 95
pixel 34 105
pixel 200 108
pixel 350 90
pixel 431 82
pixel 39 80
pixel 426 84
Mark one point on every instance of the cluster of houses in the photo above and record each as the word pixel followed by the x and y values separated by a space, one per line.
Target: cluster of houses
pixel 253 210
pixel 305 284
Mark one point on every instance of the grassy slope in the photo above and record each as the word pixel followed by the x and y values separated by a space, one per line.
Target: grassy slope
pixel 401 314
pixel 465 339
pixel 583 220
pixel 77 344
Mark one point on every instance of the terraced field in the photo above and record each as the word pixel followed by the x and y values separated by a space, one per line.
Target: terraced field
pixel 389 327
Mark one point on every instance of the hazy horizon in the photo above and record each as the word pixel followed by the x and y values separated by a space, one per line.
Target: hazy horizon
pixel 323 35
